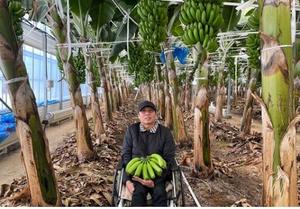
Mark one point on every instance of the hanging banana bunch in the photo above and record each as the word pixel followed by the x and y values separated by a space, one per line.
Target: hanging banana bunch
pixel 16 12
pixel 140 64
pixel 153 23
pixel 253 41
pixel 202 20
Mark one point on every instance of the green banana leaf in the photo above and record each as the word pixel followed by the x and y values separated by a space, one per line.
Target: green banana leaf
pixel 231 17
pixel 80 11
pixel 37 9
pixel 101 12
pixel 121 35
pixel 27 4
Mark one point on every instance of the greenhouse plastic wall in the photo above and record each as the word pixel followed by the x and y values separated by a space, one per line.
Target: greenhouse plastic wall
pixel 34 61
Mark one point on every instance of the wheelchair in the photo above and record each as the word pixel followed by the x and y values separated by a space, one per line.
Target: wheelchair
pixel 121 197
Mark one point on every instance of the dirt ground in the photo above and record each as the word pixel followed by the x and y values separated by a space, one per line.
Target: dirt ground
pixel 237 176
pixel 55 135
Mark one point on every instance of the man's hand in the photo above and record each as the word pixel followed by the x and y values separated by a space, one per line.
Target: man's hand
pixel 147 183
pixel 130 186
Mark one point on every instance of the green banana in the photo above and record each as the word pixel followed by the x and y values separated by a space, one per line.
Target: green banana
pixel 208 8
pixel 201 35
pixel 182 20
pixel 161 161
pixel 145 171
pixel 150 171
pixel 205 41
pixel 191 36
pixel 211 17
pixel 196 34
pixel 130 170
pixel 193 13
pixel 139 169
pixel 194 4
pixel 211 31
pixel 198 15
pixel 201 6
pixel 155 166
pixel 132 161
pixel 203 17
pixel 206 28
pixel 188 14
pixel 184 16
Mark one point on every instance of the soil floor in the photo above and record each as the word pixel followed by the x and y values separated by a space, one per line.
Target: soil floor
pixel 237 178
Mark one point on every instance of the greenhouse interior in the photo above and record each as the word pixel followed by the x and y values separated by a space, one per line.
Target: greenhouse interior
pixel 162 103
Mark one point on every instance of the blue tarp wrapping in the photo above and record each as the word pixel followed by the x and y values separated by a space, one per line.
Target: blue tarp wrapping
pixel 180 53
pixel 7 118
pixel 7 125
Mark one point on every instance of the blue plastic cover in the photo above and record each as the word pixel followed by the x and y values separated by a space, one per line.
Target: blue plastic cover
pixel 7 118
pixel 3 135
pixel 162 57
pixel 180 53
pixel 7 125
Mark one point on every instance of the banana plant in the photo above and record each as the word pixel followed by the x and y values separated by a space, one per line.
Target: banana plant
pixel 202 21
pixel 253 52
pixel 80 13
pixel 57 21
pixel 278 122
pixel 101 13
pixel 231 18
pixel 34 143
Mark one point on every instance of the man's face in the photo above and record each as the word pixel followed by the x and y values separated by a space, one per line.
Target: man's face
pixel 147 116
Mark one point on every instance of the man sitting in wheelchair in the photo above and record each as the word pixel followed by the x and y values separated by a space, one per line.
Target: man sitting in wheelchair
pixel 149 152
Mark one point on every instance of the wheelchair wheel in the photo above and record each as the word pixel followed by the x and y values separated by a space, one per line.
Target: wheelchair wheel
pixel 179 188
pixel 116 183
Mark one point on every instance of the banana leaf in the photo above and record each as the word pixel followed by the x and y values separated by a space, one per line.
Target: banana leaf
pixel 231 17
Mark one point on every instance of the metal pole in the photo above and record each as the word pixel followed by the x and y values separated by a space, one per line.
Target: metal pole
pixel 235 80
pixel 228 95
pixel 46 76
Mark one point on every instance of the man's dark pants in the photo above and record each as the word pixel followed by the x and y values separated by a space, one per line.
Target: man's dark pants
pixel 158 194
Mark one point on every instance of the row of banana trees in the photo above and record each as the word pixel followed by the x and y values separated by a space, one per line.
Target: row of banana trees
pixel 34 143
pixel 273 48
pixel 93 23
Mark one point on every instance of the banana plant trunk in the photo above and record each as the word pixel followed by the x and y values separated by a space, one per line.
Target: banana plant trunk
pixel 110 90
pixel 220 94
pixel 97 117
pixel 279 134
pixel 34 143
pixel 187 95
pixel 107 109
pixel 188 86
pixel 247 113
pixel 159 90
pixel 202 159
pixel 121 89
pixel 149 95
pixel 168 103
pixel 178 120
pixel 162 101
pixel 85 150
pixel 117 87
pixel 114 92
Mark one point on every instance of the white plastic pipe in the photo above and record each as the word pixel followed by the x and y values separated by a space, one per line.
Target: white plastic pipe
pixel 190 189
